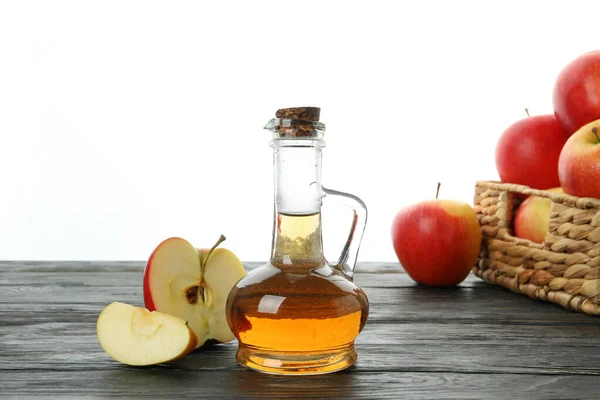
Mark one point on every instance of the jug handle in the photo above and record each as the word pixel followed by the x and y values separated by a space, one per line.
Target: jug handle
pixel 347 260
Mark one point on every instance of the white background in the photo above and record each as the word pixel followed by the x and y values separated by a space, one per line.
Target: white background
pixel 123 123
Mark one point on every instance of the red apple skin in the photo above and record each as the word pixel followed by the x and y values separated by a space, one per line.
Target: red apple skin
pixel 532 219
pixel 528 150
pixel 148 301
pixel 437 241
pixel 576 94
pixel 579 164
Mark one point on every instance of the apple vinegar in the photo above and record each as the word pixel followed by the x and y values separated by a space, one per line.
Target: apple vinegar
pixel 306 309
pixel 297 314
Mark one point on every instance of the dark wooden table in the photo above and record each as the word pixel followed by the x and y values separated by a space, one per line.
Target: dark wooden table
pixel 474 341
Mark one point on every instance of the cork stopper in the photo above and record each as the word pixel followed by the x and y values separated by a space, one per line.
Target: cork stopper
pixel 302 113
pixel 297 122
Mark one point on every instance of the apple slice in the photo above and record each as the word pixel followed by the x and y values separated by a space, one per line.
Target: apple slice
pixel 135 336
pixel 193 284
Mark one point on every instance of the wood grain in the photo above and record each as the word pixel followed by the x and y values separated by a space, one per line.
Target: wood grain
pixel 473 341
pixel 173 383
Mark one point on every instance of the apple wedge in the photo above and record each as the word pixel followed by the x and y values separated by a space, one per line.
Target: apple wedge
pixel 193 284
pixel 135 336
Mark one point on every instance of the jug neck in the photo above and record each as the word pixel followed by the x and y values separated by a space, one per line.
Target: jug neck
pixel 297 176
pixel 297 237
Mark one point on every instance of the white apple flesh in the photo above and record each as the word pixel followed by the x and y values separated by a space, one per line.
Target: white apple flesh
pixel 193 284
pixel 135 336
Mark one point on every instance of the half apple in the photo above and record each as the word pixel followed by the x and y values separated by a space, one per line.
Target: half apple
pixel 135 336
pixel 193 284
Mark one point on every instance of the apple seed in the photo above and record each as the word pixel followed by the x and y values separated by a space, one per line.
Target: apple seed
pixel 192 295
pixel 197 292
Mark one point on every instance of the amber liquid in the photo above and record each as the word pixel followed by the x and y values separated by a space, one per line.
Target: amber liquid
pixel 296 314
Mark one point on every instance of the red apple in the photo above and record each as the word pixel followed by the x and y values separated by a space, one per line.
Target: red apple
pixel 528 150
pixel 576 96
pixel 532 219
pixel 437 241
pixel 579 164
pixel 193 284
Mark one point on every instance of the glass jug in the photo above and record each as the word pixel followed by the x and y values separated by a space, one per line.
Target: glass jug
pixel 298 314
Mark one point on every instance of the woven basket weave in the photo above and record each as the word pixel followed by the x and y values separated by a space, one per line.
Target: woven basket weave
pixel 564 270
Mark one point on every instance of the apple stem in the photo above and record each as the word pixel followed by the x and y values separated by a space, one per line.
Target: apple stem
pixel 199 291
pixel 527 112
pixel 595 132
pixel 437 193
pixel 221 240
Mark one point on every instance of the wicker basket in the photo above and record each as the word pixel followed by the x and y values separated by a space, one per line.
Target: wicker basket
pixel 565 269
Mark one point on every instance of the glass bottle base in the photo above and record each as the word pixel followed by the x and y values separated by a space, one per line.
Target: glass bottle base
pixel 296 363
